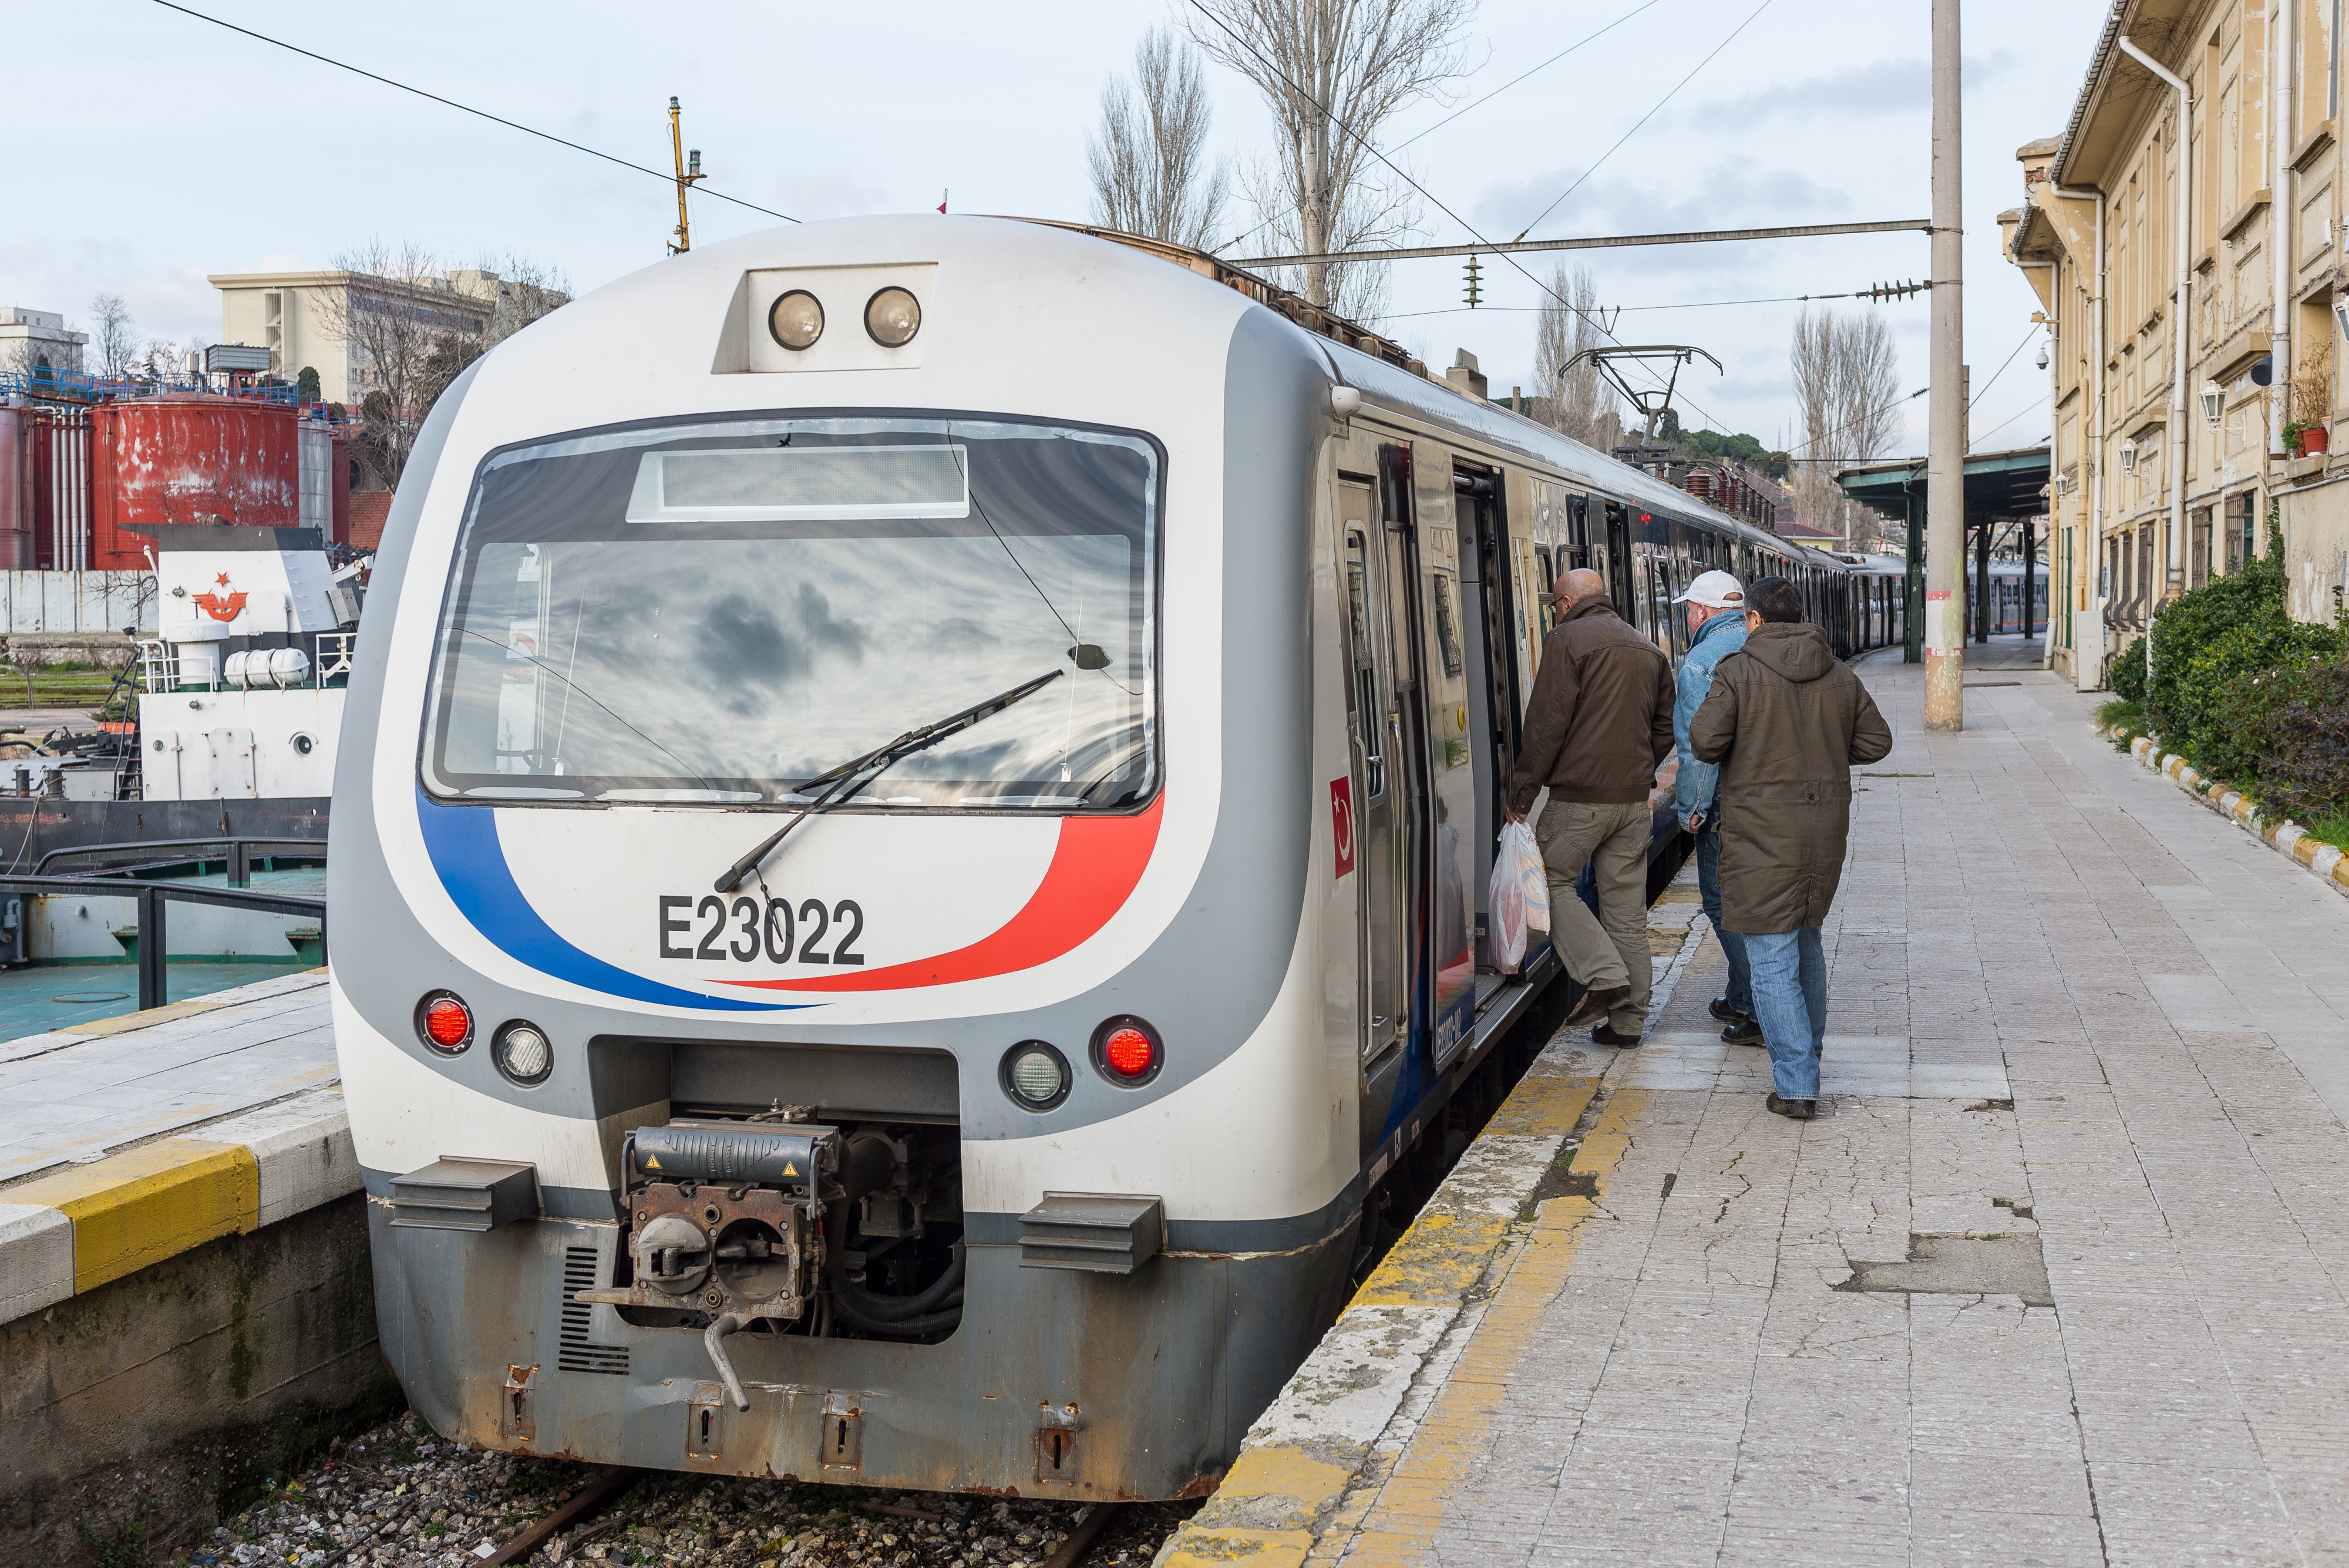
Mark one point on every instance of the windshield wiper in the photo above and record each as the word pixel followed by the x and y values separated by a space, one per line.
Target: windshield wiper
pixel 843 783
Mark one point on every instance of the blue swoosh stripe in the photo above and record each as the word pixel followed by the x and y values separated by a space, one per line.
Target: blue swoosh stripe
pixel 463 843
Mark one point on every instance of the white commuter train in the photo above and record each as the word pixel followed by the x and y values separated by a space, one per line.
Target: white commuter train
pixel 1134 670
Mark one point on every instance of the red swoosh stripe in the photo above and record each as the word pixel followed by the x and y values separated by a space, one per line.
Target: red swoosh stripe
pixel 1095 866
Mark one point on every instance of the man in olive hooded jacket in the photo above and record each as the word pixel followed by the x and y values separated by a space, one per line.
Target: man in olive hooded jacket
pixel 1786 721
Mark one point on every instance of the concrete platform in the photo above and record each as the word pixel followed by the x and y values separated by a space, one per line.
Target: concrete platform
pixel 2060 1276
pixel 185 1299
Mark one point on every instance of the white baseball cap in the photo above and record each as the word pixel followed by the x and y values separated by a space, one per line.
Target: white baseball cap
pixel 1714 590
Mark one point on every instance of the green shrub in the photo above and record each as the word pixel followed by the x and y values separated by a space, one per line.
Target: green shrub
pixel 2128 673
pixel 2304 771
pixel 2209 644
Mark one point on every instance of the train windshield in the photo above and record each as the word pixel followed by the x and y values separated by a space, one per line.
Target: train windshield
pixel 717 613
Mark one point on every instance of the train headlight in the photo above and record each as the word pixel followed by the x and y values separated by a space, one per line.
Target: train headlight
pixel 893 316
pixel 522 1053
pixel 796 319
pixel 444 1023
pixel 1035 1076
pixel 1127 1051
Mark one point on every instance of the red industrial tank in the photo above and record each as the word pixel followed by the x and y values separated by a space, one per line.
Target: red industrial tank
pixel 188 458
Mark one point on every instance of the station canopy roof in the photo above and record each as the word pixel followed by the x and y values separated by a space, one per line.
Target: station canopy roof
pixel 2000 486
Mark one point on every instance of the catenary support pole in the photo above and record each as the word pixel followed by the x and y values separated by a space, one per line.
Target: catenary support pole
pixel 1983 607
pixel 1945 482
pixel 1912 583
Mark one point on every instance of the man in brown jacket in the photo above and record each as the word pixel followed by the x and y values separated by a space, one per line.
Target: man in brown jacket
pixel 1786 721
pixel 1600 721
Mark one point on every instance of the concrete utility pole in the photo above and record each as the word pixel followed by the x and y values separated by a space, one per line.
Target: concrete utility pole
pixel 1945 475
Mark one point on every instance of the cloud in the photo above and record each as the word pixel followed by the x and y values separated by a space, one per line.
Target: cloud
pixel 1728 194
pixel 1856 92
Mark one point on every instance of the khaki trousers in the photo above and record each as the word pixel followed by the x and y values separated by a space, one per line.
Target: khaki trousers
pixel 1612 840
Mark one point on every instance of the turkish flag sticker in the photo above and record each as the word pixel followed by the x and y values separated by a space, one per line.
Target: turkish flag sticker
pixel 1341 822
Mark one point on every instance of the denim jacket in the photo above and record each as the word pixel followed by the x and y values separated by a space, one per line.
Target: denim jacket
pixel 1700 782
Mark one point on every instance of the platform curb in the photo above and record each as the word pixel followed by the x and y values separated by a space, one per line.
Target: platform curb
pixel 72 1230
pixel 1311 1466
pixel 2327 862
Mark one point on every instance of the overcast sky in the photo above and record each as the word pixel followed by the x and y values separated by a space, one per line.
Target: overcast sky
pixel 152 148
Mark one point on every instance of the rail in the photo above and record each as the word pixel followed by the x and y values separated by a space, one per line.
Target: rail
pixel 239 856
pixel 153 899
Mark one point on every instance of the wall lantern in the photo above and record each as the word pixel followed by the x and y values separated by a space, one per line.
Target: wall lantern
pixel 2214 401
pixel 2129 457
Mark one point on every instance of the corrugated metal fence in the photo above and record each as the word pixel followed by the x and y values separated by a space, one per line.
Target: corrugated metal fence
pixel 76 601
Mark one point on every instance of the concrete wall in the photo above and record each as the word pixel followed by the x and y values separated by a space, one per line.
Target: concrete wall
pixel 158 1400
pixel 55 602
pixel 2316 551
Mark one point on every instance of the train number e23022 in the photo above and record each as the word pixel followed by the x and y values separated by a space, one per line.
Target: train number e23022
pixel 746 930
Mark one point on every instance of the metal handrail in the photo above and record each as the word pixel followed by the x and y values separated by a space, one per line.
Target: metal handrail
pixel 153 977
pixel 239 856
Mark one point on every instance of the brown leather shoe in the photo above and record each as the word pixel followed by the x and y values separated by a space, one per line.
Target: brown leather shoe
pixel 1793 1110
pixel 1595 1005
pixel 1605 1035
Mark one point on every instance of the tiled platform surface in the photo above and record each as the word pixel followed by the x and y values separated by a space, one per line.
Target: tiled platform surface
pixel 75 1093
pixel 2078 1021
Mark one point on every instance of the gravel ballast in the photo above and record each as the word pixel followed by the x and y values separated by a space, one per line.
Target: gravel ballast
pixel 398 1495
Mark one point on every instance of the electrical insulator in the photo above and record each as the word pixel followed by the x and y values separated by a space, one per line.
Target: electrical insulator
pixel 1476 283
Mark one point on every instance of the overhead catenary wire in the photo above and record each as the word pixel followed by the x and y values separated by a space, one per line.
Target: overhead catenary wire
pixel 665 177
pixel 1643 119
pixel 1398 171
pixel 2002 364
pixel 1473 103
pixel 2010 418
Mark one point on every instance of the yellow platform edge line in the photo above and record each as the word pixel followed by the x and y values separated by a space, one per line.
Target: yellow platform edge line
pixel 139 1207
pixel 1402 1526
pixel 1436 1261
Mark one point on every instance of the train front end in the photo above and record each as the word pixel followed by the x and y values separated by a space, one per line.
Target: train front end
pixel 990 1128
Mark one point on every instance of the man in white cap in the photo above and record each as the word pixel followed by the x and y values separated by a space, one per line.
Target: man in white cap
pixel 1717 622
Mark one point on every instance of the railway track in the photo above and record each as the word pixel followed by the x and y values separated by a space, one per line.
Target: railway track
pixel 395 1497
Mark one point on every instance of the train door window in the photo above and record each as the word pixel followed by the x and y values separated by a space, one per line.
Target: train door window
pixel 1447 624
pixel 1620 564
pixel 1364 712
pixel 1546 569
pixel 1577 543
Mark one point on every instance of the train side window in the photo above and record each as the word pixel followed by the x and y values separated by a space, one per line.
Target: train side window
pixel 1545 567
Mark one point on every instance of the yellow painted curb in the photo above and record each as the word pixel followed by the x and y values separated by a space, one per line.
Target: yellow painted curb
pixel 1435 1261
pixel 1257 1548
pixel 1542 1108
pixel 1403 1525
pixel 150 1204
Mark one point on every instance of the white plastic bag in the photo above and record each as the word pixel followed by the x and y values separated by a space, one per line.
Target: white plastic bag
pixel 1520 895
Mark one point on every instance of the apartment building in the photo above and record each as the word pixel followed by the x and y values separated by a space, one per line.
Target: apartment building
pixel 2183 235
pixel 308 318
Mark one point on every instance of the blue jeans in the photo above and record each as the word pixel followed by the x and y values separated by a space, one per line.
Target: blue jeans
pixel 1790 998
pixel 1708 887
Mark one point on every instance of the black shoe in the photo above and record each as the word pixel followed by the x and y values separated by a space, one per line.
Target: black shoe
pixel 1793 1110
pixel 1605 1035
pixel 1719 1007
pixel 1745 1031
pixel 1595 1005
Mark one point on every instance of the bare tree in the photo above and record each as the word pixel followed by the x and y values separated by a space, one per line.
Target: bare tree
pixel 1362 61
pixel 112 339
pixel 1846 374
pixel 409 332
pixel 1577 403
pixel 1150 170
